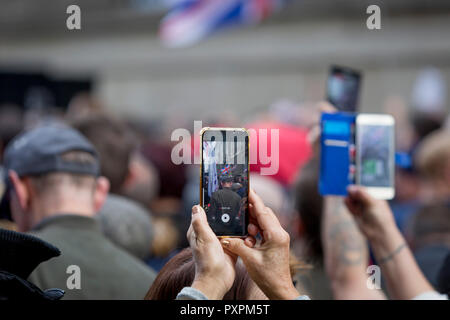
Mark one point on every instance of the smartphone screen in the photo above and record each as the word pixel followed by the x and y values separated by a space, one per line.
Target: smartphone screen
pixel 376 154
pixel 225 180
pixel 343 88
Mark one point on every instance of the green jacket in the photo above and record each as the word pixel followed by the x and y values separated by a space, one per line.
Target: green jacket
pixel 106 271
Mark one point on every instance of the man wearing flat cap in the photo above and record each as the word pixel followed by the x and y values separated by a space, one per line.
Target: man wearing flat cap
pixel 54 192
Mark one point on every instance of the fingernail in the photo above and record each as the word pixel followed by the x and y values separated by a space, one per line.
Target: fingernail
pixel 195 209
pixel 226 243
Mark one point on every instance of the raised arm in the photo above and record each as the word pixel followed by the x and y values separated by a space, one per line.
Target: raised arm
pixel 345 253
pixel 403 277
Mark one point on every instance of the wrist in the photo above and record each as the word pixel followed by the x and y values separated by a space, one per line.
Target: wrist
pixel 333 202
pixel 210 287
pixel 387 240
pixel 287 292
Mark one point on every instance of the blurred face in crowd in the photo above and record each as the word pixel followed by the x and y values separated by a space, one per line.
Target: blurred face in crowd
pixel 115 144
pixel 37 197
pixel 142 183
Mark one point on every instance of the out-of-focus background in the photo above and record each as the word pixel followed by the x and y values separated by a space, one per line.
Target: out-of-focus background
pixel 152 66
pixel 243 69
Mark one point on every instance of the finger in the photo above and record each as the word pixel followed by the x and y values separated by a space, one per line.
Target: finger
pixel 264 216
pixel 238 247
pixel 314 135
pixel 231 255
pixel 255 201
pixel 190 233
pixel 250 241
pixel 252 229
pixel 199 224
pixel 325 106
pixel 352 206
pixel 359 195
pixel 253 220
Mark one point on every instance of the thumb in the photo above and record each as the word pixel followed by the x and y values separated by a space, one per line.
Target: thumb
pixel 238 247
pixel 358 194
pixel 199 224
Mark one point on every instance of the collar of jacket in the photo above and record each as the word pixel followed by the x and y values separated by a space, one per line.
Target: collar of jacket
pixel 21 253
pixel 69 221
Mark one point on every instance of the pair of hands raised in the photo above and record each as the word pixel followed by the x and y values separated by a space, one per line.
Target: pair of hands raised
pixel 267 264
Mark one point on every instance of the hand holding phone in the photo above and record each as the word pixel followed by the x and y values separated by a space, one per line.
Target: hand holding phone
pixel 268 263
pixel 357 149
pixel 214 268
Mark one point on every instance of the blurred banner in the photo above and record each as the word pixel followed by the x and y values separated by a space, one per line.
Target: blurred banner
pixel 190 21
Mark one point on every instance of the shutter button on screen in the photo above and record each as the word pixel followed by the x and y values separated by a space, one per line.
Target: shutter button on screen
pixel 225 217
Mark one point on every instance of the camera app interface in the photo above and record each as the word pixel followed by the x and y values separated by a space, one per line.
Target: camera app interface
pixel 225 181
pixel 375 155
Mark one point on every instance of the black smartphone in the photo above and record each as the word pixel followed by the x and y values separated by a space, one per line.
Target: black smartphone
pixel 224 180
pixel 343 88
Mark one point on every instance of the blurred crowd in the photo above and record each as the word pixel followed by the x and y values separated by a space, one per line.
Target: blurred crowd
pixel 125 225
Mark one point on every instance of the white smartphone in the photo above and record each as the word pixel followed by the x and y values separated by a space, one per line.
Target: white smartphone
pixel 375 154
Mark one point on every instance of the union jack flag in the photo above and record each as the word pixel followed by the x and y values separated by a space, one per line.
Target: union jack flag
pixel 190 21
pixel 226 169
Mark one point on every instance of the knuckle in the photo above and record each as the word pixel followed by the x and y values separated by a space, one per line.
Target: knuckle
pixel 196 223
pixel 284 238
pixel 189 232
pixel 234 246
pixel 231 244
pixel 190 237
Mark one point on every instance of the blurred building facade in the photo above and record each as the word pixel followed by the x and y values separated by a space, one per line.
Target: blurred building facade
pixel 243 69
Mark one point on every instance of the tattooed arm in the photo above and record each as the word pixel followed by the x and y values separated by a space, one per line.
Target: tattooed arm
pixel 345 253
pixel 374 217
